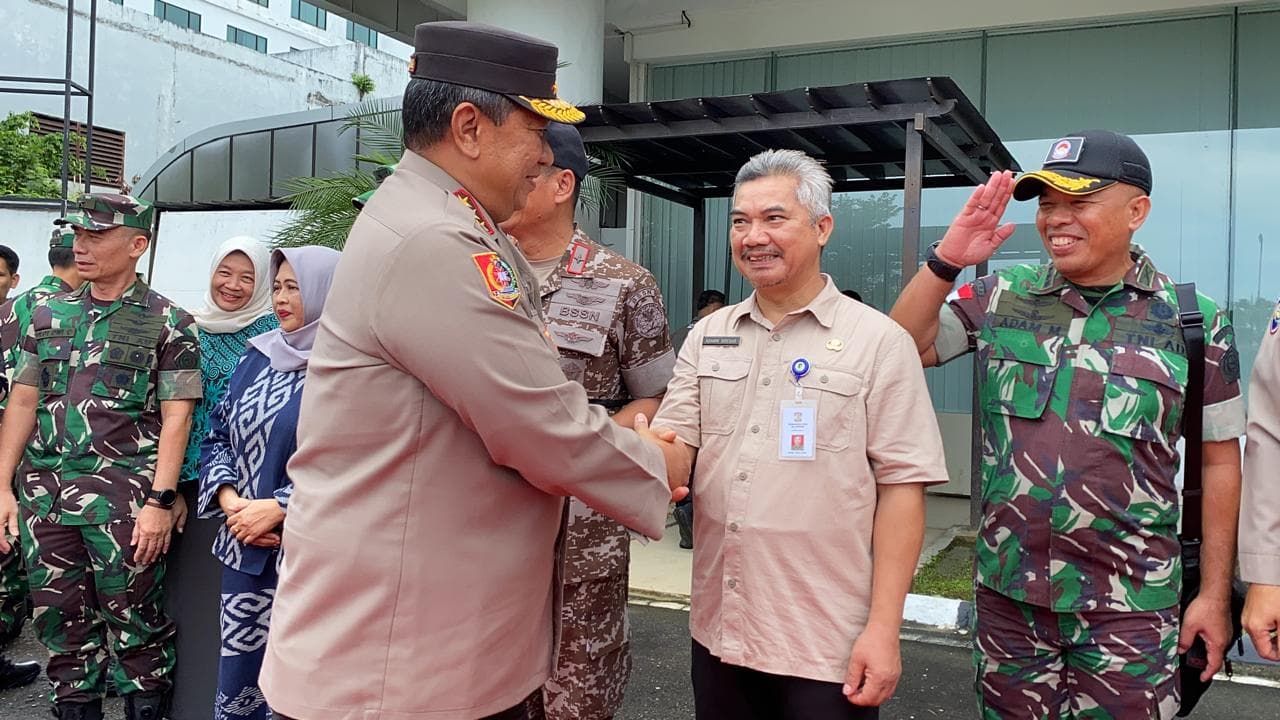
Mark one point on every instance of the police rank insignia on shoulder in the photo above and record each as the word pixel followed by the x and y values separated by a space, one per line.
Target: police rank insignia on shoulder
pixel 1275 320
pixel 474 207
pixel 499 278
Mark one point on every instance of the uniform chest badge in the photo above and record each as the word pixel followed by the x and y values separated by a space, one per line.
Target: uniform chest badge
pixel 1275 321
pixel 835 344
pixel 574 337
pixel 499 279
pixel 474 207
pixel 578 256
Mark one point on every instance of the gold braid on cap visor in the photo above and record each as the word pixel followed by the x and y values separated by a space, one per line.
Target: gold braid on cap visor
pixel 1064 183
pixel 556 109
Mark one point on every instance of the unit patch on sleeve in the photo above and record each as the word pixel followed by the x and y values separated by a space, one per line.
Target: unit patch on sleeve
pixel 499 279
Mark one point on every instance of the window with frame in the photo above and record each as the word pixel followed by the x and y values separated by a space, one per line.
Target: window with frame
pixel 361 34
pixel 246 38
pixel 310 14
pixel 177 15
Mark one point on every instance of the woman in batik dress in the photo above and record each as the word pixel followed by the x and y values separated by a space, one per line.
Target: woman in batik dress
pixel 237 307
pixel 252 434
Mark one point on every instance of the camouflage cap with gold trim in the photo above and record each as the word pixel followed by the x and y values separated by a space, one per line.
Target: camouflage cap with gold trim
pixel 521 67
pixel 1085 162
pixel 103 211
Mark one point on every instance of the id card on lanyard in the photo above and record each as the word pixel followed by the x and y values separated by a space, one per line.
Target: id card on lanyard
pixel 797 420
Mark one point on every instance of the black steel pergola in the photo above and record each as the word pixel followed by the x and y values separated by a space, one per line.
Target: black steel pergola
pixel 897 134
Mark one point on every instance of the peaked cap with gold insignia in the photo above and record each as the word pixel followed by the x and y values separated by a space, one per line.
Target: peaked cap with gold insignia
pixel 484 57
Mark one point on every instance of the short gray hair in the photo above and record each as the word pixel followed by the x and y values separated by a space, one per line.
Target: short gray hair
pixel 428 105
pixel 813 183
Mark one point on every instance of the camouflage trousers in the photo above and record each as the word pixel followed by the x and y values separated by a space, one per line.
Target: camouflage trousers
pixel 1034 663
pixel 594 663
pixel 13 594
pixel 85 586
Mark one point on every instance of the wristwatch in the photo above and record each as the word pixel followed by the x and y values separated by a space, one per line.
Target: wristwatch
pixel 940 267
pixel 163 498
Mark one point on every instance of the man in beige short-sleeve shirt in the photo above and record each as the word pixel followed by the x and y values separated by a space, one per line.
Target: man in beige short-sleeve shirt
pixel 815 438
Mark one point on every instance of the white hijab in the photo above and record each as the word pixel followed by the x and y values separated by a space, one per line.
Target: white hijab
pixel 213 319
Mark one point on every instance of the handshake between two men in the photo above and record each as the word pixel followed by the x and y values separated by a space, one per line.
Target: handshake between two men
pixel 678 455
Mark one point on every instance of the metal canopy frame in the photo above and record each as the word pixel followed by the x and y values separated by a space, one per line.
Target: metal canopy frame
pixel 68 89
pixel 897 134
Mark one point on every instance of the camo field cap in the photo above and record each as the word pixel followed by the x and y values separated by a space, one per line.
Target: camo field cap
pixel 62 237
pixel 103 211
pixel 520 67
pixel 1085 162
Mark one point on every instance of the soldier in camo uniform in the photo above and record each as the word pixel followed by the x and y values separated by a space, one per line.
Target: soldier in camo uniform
pixel 606 316
pixel 1083 375
pixel 107 379
pixel 15 317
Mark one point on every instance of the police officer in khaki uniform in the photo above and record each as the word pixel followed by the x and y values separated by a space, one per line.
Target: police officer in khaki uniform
pixel 438 435
pixel 606 316
pixel 1260 498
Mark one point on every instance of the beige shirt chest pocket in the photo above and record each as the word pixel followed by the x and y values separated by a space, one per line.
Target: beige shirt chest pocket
pixel 841 409
pixel 722 388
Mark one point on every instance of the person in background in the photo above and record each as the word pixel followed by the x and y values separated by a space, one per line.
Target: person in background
pixel 243 483
pixel 606 317
pixel 8 271
pixel 101 404
pixel 15 317
pixel 237 307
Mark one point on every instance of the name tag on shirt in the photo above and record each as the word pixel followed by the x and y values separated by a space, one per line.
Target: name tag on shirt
pixel 797 430
pixel 722 340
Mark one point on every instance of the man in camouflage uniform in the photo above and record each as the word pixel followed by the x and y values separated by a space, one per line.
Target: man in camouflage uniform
pixel 15 317
pixel 107 379
pixel 605 314
pixel 1082 380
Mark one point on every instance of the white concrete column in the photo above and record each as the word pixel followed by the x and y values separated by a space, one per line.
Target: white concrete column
pixel 575 26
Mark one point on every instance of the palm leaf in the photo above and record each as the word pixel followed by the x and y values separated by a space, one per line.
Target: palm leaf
pixel 323 213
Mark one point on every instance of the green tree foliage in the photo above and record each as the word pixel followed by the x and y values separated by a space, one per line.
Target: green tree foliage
pixel 31 164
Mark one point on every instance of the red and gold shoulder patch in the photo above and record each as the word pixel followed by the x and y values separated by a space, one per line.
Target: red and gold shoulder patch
pixel 474 207
pixel 578 256
pixel 499 279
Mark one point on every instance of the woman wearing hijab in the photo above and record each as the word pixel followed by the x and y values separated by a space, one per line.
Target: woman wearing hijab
pixel 237 306
pixel 253 432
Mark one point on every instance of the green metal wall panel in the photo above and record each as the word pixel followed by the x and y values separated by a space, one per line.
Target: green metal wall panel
pixel 1159 77
pixel 959 59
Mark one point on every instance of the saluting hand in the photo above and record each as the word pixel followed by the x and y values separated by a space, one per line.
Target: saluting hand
pixel 976 233
pixel 674 451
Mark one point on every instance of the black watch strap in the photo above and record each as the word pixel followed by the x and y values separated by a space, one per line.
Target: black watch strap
pixel 164 498
pixel 940 267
